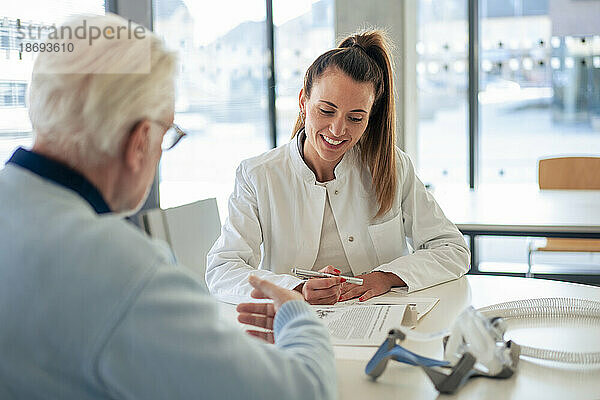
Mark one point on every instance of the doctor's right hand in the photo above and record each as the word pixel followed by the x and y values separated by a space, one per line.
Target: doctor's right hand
pixel 322 290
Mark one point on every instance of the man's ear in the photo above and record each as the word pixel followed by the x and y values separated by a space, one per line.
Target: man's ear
pixel 137 146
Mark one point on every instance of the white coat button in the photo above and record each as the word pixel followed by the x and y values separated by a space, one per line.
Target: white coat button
pixel 336 192
pixel 351 238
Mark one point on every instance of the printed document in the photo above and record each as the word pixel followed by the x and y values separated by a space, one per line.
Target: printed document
pixel 423 304
pixel 360 325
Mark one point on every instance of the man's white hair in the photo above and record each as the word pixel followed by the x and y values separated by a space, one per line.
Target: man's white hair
pixel 84 103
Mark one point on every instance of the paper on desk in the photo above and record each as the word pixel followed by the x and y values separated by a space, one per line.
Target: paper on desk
pixel 423 304
pixel 360 325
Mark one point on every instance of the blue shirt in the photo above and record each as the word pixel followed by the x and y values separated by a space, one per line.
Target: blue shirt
pixel 91 308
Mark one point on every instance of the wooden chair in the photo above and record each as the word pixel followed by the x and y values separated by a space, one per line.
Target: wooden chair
pixel 567 173
pixel 190 230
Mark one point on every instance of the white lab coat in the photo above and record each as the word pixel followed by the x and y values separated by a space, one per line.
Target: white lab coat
pixel 276 214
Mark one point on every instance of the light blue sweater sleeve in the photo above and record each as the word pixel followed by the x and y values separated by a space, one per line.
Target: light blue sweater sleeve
pixel 171 343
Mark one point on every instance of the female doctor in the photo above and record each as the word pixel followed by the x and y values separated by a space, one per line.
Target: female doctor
pixel 339 197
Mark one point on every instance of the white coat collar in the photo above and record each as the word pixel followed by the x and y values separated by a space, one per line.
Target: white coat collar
pixel 348 161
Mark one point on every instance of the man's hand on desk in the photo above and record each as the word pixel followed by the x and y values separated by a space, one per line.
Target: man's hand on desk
pixel 374 284
pixel 261 315
pixel 322 290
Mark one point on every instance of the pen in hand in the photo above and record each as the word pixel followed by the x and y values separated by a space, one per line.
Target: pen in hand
pixel 302 273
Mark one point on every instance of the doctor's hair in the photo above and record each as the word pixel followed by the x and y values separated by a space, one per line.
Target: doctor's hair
pixel 365 57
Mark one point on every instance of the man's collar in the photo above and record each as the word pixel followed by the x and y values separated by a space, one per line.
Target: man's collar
pixel 62 175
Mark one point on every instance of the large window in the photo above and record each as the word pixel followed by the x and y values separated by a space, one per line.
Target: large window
pixel 16 66
pixel 539 96
pixel 539 85
pixel 221 95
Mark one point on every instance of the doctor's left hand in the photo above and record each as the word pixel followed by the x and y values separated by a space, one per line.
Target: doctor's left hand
pixel 374 284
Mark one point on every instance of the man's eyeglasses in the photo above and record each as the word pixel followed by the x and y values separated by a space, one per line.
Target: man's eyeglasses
pixel 173 135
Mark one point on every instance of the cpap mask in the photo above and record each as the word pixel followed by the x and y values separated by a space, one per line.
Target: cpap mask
pixel 475 345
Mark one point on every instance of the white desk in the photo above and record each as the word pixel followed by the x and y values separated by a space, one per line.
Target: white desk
pixel 521 211
pixel 532 381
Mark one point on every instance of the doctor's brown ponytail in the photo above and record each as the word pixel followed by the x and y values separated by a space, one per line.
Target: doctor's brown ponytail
pixel 365 57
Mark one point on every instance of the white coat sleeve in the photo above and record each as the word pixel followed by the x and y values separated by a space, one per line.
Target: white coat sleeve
pixel 441 253
pixel 171 343
pixel 237 252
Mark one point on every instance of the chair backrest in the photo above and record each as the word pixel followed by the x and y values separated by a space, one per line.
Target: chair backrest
pixel 569 173
pixel 190 230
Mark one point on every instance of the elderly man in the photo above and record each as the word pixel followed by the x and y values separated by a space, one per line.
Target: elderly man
pixel 92 308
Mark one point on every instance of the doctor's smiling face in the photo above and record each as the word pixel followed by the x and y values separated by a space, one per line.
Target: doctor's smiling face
pixel 336 116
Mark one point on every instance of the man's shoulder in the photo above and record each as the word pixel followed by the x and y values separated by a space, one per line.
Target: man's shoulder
pixel 123 239
pixel 66 230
